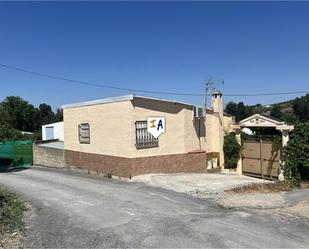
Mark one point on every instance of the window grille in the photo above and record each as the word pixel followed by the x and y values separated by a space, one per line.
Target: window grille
pixel 143 138
pixel 84 133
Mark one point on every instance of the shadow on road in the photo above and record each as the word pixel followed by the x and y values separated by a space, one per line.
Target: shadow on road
pixel 6 166
pixel 12 169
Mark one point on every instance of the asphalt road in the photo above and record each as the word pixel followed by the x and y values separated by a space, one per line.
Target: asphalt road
pixel 74 211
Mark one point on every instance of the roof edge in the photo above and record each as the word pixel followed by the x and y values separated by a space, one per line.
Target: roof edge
pixel 129 97
pixel 99 101
pixel 162 100
pixel 275 121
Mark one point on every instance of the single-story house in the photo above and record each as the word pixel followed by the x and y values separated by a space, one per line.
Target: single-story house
pixel 111 136
pixel 52 131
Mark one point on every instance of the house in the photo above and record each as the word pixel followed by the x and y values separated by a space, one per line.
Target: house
pixel 52 131
pixel 111 136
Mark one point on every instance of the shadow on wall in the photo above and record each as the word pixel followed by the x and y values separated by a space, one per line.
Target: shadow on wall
pixel 159 106
pixel 199 127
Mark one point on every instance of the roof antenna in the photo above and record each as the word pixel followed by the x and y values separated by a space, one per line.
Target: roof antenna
pixel 210 84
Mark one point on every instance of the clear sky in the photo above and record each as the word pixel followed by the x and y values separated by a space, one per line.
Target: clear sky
pixel 162 46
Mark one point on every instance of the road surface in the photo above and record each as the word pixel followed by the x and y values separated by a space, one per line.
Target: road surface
pixel 71 210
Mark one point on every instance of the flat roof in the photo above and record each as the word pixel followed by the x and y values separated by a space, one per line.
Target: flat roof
pixel 55 145
pixel 119 99
pixel 52 123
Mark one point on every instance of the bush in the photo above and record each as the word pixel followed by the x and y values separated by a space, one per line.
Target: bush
pixel 296 155
pixel 231 150
pixel 10 134
pixel 11 212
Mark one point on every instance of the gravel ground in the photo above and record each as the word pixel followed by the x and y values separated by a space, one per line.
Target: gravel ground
pixel 213 186
pixel 74 211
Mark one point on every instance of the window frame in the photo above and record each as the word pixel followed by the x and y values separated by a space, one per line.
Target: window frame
pixel 141 133
pixel 81 139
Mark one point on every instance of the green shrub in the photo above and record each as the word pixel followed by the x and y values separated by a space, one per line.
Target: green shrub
pixel 11 212
pixel 296 155
pixel 231 150
pixel 10 134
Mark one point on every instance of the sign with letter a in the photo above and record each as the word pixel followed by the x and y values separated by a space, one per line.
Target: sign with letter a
pixel 156 126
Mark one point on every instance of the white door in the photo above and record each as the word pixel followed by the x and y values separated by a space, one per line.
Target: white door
pixel 49 133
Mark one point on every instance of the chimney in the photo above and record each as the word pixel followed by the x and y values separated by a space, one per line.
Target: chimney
pixel 217 102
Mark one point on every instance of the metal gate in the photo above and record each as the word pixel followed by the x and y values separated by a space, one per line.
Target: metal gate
pixel 261 158
pixel 19 153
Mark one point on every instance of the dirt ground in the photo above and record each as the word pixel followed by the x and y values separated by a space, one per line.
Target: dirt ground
pixel 11 241
pixel 300 209
pixel 14 240
pixel 263 188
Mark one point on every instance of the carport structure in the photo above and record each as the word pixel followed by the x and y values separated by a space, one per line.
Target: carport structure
pixel 261 155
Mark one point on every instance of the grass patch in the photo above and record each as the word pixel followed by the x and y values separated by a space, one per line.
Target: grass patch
pixel 11 212
pixel 263 188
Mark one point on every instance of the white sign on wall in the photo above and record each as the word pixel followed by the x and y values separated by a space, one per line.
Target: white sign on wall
pixel 156 126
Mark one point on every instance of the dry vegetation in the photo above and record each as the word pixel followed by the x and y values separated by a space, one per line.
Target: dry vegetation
pixel 264 188
pixel 11 220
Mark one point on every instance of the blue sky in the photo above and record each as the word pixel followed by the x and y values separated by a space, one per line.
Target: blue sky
pixel 162 46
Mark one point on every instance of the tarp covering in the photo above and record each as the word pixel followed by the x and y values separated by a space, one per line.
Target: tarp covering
pixel 20 152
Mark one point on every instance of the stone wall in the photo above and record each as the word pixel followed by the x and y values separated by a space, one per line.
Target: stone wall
pixel 48 157
pixel 129 167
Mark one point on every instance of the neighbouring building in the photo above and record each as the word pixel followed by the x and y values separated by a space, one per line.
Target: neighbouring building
pixel 52 131
pixel 110 136
pixel 49 152
pixel 262 139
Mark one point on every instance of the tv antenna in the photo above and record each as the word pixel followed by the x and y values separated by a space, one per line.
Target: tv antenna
pixel 210 85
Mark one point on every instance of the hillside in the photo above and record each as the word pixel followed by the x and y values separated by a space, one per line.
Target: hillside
pixel 290 111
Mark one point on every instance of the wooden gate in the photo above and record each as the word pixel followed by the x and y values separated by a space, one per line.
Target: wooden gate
pixel 261 158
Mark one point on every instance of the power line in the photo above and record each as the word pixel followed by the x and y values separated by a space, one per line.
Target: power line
pixel 94 84
pixel 87 83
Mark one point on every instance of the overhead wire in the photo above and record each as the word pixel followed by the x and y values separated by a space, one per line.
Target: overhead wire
pixel 132 90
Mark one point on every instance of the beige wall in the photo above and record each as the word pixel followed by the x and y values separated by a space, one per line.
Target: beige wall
pixel 228 122
pixel 109 133
pixel 112 128
pixel 173 140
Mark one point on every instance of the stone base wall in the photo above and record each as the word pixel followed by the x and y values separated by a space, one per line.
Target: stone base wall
pixel 118 166
pixel 129 167
pixel 48 157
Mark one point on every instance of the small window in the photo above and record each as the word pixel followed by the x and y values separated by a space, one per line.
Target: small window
pixel 143 138
pixel 84 133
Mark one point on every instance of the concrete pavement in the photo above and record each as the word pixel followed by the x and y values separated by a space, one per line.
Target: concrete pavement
pixel 70 211
pixel 196 183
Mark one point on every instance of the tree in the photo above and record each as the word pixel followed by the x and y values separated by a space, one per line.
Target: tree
pixel 240 110
pixel 276 112
pixel 46 114
pixel 231 108
pixel 4 115
pixel 18 113
pixel 301 108
pixel 7 133
pixel 59 115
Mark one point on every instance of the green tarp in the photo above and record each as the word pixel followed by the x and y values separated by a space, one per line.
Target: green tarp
pixel 19 152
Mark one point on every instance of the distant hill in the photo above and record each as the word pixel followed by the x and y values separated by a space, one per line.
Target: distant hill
pixel 290 111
